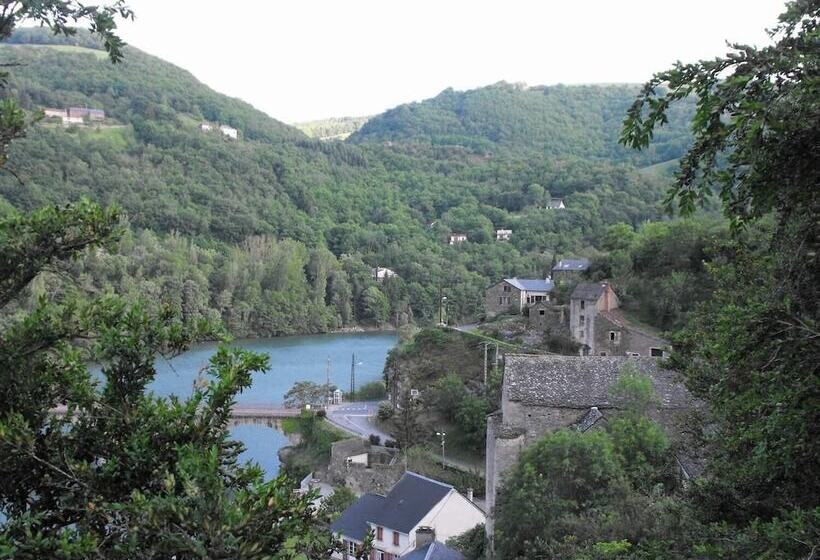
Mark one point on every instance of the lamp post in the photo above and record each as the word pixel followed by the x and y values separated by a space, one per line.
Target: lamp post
pixel 441 435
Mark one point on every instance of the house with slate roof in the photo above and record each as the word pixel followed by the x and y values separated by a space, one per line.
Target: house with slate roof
pixel 598 325
pixel 416 513
pixel 568 270
pixel 542 394
pixel 512 295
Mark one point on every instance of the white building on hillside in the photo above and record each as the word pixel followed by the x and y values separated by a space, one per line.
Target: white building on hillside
pixel 229 131
pixel 503 234
pixel 417 513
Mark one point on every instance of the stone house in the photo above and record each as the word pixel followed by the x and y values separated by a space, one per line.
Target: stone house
pixel 543 315
pixel 568 270
pixel 541 394
pixel 364 467
pixel 503 234
pixel 58 113
pixel 457 238
pixel 601 328
pixel 229 131
pixel 512 295
pixel 382 273
pixel 86 113
pixel 416 512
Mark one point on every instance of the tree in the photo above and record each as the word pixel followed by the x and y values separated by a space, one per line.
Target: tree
pixel 305 393
pixel 471 544
pixel 120 473
pixel 555 481
pixel 750 353
pixel 334 505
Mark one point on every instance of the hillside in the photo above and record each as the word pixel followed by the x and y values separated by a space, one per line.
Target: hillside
pixel 557 121
pixel 275 233
pixel 332 129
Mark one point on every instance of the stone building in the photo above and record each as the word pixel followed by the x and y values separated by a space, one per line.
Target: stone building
pixel 364 467
pixel 543 316
pixel 568 270
pixel 541 394
pixel 512 295
pixel 600 327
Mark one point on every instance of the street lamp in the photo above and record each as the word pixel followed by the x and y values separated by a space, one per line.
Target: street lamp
pixel 441 435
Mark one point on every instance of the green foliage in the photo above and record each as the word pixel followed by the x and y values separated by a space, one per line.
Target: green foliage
pixel 502 118
pixel 385 411
pixel 333 505
pixel 471 544
pixel 305 393
pixel 373 391
pixel 276 234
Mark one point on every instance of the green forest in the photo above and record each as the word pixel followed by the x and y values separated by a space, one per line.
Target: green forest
pixel 276 233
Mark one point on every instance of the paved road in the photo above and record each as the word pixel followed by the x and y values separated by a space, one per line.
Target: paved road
pixel 356 418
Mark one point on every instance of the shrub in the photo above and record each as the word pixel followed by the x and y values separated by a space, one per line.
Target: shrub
pixel 385 411
pixel 374 439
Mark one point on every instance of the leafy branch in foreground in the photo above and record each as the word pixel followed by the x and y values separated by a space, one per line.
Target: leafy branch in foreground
pixel 758 107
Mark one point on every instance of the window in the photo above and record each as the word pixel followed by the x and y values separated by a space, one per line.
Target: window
pixel 602 354
pixel 582 320
pixel 656 352
pixel 380 555
pixel 507 288
pixel 351 548
pixel 395 538
pixel 583 304
pixel 542 311
pixel 615 337
pixel 581 334
pixel 379 533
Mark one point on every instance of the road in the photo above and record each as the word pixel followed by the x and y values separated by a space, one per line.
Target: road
pixel 356 418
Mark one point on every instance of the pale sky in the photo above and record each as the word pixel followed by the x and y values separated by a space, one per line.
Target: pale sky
pixel 308 59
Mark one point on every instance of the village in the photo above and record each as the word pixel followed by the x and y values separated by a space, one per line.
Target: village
pixel 409 515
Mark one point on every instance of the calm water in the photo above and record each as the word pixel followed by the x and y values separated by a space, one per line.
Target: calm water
pixel 292 358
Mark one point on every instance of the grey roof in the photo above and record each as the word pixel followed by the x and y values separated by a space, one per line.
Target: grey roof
pixel 588 291
pixel 532 284
pixel 401 509
pixel 353 521
pixel 434 551
pixel 583 382
pixel 409 501
pixel 572 264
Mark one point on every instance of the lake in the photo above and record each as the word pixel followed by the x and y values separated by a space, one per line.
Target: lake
pixel 292 358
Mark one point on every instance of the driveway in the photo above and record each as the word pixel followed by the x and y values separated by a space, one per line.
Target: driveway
pixel 356 418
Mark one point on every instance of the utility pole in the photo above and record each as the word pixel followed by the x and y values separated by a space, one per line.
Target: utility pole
pixel 441 435
pixel 486 347
pixel 327 382
pixel 440 305
pixel 353 377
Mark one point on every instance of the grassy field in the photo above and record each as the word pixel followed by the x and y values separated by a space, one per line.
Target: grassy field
pixel 62 48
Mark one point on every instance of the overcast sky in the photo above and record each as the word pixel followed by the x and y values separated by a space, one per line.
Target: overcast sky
pixel 309 59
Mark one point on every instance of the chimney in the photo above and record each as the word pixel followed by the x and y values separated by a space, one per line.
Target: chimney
pixel 470 494
pixel 424 536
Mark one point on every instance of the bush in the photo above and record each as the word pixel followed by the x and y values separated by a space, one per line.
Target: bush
pixel 390 443
pixel 374 439
pixel 385 411
pixel 321 413
pixel 373 391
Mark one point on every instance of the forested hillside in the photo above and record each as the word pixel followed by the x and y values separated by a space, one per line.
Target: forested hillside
pixel 557 121
pixel 275 233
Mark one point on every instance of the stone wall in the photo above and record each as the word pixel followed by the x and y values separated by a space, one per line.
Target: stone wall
pixel 492 307
pixel 379 474
pixel 626 339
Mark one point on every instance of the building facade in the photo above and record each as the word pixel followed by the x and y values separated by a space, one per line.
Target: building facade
pixel 568 270
pixel 415 512
pixel 542 394
pixel 512 295
pixel 601 329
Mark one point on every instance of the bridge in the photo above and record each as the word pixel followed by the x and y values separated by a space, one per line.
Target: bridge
pixel 246 412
